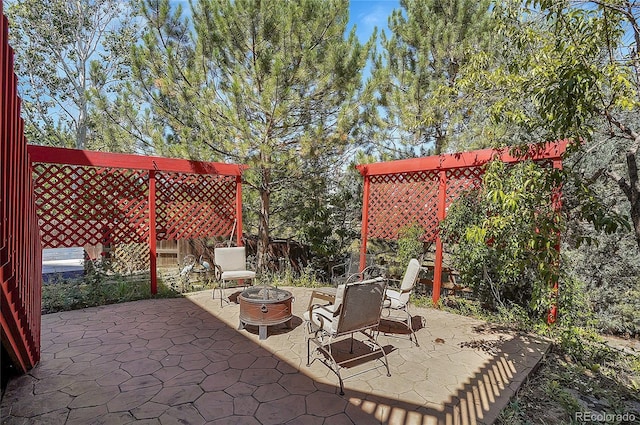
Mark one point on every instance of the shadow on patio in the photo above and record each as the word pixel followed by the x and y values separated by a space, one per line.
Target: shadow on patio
pixel 183 361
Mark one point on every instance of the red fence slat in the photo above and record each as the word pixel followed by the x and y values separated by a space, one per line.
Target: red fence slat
pixel 20 248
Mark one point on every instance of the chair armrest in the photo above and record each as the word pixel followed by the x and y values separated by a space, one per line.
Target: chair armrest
pixel 319 318
pixel 394 284
pixel 338 266
pixel 217 272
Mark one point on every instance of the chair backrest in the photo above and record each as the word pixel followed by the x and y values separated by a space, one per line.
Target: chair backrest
pixel 354 263
pixel 360 306
pixel 409 280
pixel 231 259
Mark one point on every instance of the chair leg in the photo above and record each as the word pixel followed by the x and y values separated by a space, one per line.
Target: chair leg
pixel 412 335
pixel 308 352
pixel 220 288
pixel 374 340
pixel 408 322
pixel 324 347
pixel 335 366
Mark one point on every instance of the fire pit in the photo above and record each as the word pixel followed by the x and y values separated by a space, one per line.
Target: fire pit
pixel 265 306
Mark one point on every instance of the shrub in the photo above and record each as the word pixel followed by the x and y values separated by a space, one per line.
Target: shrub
pixel 505 236
pixel 410 243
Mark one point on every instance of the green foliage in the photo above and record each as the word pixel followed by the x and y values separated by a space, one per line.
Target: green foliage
pixel 505 237
pixel 610 270
pixel 307 278
pixel 566 70
pixel 513 414
pixel 410 243
pixel 97 289
pixel 275 85
pixel 559 392
pixel 67 52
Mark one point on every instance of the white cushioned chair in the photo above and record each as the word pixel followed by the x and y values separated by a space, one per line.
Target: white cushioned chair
pixel 231 266
pixel 398 299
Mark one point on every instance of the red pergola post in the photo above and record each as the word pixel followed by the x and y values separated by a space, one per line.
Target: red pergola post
pixel 441 213
pixel 557 205
pixel 153 273
pixel 239 210
pixel 365 223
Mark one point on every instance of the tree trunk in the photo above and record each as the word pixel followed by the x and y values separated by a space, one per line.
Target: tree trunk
pixel 633 192
pixel 263 219
pixel 81 131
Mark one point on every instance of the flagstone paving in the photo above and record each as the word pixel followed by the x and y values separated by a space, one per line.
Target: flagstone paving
pixel 182 360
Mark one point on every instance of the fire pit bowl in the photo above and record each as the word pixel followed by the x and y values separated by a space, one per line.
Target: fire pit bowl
pixel 265 306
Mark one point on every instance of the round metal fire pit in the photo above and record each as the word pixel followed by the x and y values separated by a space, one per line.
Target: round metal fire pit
pixel 264 306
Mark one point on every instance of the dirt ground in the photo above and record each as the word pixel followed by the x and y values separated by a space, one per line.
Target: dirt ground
pixel 564 391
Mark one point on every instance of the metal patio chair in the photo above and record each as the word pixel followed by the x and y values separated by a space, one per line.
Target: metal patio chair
pixel 356 309
pixel 231 265
pixel 350 270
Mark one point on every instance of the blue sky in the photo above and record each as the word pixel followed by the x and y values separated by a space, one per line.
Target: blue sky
pixel 367 15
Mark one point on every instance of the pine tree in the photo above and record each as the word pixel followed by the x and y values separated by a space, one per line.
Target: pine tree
pixel 416 73
pixel 266 83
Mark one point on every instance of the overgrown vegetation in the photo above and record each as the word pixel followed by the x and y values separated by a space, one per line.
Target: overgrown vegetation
pixel 603 380
pixel 505 237
pixel 97 289
pixel 506 247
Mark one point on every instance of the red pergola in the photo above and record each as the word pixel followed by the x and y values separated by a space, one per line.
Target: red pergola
pixel 87 198
pixel 420 190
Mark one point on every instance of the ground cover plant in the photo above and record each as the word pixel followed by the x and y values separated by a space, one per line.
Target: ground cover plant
pixel 62 294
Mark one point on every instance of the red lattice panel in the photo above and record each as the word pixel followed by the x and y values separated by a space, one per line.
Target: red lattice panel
pixel 80 206
pixel 192 206
pixel 460 180
pixel 397 200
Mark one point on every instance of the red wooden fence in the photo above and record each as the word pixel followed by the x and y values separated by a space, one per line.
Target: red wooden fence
pixel 20 250
pixel 419 190
pixel 90 198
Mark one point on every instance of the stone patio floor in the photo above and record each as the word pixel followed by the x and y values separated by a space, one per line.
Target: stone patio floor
pixel 183 361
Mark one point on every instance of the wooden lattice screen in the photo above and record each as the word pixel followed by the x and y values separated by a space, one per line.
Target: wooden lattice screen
pixel 90 198
pixel 419 190
pixel 190 205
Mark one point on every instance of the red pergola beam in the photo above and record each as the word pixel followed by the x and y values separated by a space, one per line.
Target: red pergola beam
pixel 51 155
pixel 551 150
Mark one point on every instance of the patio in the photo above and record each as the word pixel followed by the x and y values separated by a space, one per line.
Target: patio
pixel 183 360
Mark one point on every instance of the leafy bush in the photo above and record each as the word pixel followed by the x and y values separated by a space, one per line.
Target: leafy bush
pixel 97 289
pixel 505 237
pixel 410 242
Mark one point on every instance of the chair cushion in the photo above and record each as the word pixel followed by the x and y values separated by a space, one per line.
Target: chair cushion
pixel 392 299
pixel 231 259
pixel 322 317
pixel 239 274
